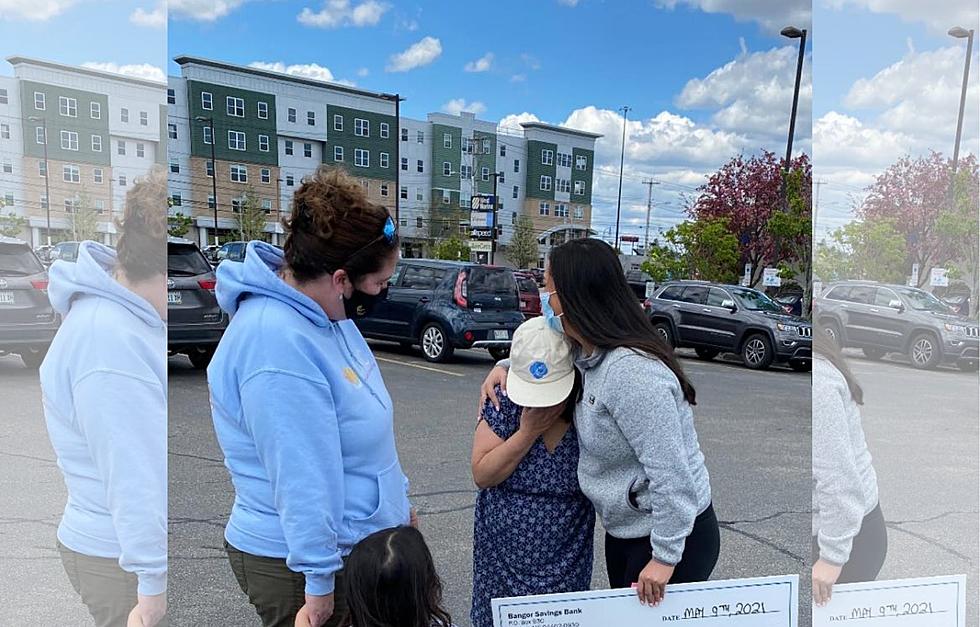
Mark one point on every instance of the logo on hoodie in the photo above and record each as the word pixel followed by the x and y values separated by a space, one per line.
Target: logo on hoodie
pixel 352 377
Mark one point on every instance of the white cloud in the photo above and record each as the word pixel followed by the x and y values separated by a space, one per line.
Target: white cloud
pixel 34 10
pixel 336 13
pixel 202 10
pixel 480 65
pixel 531 61
pixel 419 54
pixel 840 140
pixel 362 72
pixel 305 70
pixel 939 15
pixel 511 124
pixel 136 70
pixel 155 18
pixel 569 3
pixel 458 105
pixel 518 78
pixel 773 15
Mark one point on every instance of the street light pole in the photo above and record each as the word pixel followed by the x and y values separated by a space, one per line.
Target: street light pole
pixel 619 196
pixel 47 175
pixel 793 33
pixel 214 173
pixel 960 33
pixel 493 231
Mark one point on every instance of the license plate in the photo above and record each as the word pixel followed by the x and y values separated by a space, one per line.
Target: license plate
pixel 174 298
pixel 501 335
pixel 7 298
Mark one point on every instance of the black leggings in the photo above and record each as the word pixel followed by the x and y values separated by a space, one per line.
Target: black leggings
pixel 867 551
pixel 626 558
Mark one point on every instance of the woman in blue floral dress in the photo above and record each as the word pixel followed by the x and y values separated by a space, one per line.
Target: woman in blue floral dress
pixel 533 528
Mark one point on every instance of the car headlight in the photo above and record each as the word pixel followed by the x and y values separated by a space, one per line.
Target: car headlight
pixel 787 328
pixel 955 329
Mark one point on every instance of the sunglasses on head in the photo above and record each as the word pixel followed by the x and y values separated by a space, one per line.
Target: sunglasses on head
pixel 388 232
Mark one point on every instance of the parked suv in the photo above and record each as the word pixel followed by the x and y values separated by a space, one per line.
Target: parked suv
pixel 232 251
pixel 194 320
pixel 530 293
pixel 64 251
pixel 445 305
pixel 881 319
pixel 713 318
pixel 28 323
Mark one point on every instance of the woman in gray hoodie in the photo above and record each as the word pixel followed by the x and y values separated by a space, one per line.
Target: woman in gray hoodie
pixel 640 462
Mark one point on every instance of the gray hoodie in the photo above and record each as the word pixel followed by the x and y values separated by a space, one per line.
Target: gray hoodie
pixel 640 463
pixel 845 487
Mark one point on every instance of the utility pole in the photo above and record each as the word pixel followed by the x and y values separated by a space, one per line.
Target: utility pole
pixel 646 238
pixel 622 157
pixel 493 230
pixel 961 33
pixel 816 202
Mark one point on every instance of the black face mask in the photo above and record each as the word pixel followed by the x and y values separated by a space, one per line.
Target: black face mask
pixel 360 304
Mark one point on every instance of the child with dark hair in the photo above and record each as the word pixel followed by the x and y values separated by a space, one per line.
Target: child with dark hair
pixel 391 581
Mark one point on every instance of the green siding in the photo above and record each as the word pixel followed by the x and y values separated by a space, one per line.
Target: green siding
pixel 251 124
pixel 580 175
pixel 441 154
pixel 439 213
pixel 373 143
pixel 482 160
pixel 535 169
pixel 83 124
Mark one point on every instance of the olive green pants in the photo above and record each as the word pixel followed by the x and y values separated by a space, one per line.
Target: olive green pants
pixel 276 592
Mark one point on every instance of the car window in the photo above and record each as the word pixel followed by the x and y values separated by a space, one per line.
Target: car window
pixel 696 295
pixel 528 285
pixel 863 295
pixel 671 293
pixel 419 278
pixel 756 301
pixel 18 260
pixel 924 301
pixel 186 260
pixel 839 293
pixel 716 297
pixel 396 275
pixel 884 296
pixel 491 287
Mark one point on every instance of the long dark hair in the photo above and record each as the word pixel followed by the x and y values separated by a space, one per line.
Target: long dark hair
pixel 390 580
pixel 827 347
pixel 598 302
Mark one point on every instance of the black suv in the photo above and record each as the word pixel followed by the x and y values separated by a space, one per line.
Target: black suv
pixel 195 322
pixel 712 318
pixel 881 319
pixel 28 323
pixel 445 305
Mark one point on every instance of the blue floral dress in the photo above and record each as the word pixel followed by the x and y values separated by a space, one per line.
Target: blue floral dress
pixel 532 533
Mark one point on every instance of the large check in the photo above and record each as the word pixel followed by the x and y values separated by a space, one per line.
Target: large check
pixel 923 602
pixel 759 602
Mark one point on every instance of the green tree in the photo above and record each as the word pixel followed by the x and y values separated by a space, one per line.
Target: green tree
pixel 251 218
pixel 792 234
pixel 960 228
pixel 523 249
pixel 696 249
pixel 11 225
pixel 178 225
pixel 452 249
pixel 870 250
pixel 84 219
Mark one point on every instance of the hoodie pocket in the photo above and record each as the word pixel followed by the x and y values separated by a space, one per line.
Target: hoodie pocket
pixel 637 496
pixel 392 509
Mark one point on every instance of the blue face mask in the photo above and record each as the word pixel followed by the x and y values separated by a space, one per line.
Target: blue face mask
pixel 554 320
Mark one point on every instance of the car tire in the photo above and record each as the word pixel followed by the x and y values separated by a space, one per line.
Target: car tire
pixel 201 357
pixel 435 343
pixel 801 365
pixel 32 358
pixel 706 354
pixel 832 329
pixel 971 365
pixel 665 333
pixel 873 352
pixel 924 352
pixel 499 353
pixel 757 352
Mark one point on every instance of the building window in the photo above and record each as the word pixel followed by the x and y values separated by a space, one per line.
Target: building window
pixel 579 188
pixel 171 97
pixel 42 169
pixel 172 131
pixel 420 166
pixel 208 137
pixel 418 194
pixel 8 167
pixel 69 140
pixel 486 146
pixel 71 174
pixel 383 130
pixel 236 205
pixel 96 143
pixel 405 164
pixel 418 222
pixel 517 191
pixel 71 205
pixel 95 110
pixel 3 96
pixel 236 140
pixel 235 107
pixel 311 118
pixel 239 174
pixel 338 153
pixel 39 103
pixel 265 175
pixel 579 213
pixel 362 158
pixel 362 128
pixel 140 150
pixel 124 115
pixel 207 101
pixel 262 109
pixel 403 193
pixel 581 162
pixel 383 160
pixel 211 203
pixel 467 145
pixel 544 208
pixel 121 147
pixel 517 165
pixel 209 168
pixel 447 197
pixel 503 150
pixel 97 175
pixel 99 206
pixel 564 160
pixel 144 118
pixel 561 210
pixel 175 167
pixel 289 147
pixel 384 190
pixel 447 140
pixel 289 180
pixel 447 168
pixel 485 174
pixel 420 137
pixel 39 135
pixel 308 150
pixel 463 200
pixel 267 205
pixel 404 134
pixel 338 122
pixel 465 171
pixel 44 201
pixel 4 131
pixel 547 157
pixel 291 115
pixel 122 180
pixel 545 183
pixel 562 185
pixel 264 143
pixel 176 200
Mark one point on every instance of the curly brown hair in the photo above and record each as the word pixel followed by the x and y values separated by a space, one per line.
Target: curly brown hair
pixel 142 247
pixel 335 226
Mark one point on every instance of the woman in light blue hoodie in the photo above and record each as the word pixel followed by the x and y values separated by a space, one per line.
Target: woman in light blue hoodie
pixel 299 406
pixel 104 382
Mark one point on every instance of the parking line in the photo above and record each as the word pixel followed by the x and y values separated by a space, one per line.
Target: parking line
pixel 419 366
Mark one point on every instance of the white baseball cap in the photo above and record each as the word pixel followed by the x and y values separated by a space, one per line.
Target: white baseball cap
pixel 542 369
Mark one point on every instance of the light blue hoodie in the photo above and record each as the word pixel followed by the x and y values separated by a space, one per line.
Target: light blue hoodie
pixel 104 383
pixel 305 423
